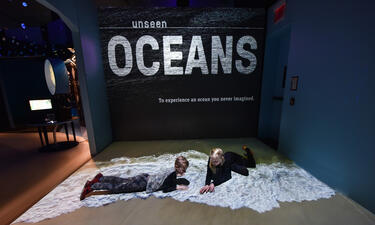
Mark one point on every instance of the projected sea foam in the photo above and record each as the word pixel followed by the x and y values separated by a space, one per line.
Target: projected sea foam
pixel 262 190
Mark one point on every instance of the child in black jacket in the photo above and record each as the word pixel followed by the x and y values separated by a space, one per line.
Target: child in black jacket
pixel 220 165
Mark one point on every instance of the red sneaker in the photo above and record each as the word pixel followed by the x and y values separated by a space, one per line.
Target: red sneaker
pixel 87 184
pixel 96 178
pixel 86 190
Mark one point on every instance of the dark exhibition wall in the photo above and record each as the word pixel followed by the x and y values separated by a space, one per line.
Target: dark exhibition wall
pixel 330 129
pixel 85 34
pixel 182 73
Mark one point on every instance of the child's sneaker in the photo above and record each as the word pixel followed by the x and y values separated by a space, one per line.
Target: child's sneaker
pixel 86 190
pixel 96 179
pixel 247 150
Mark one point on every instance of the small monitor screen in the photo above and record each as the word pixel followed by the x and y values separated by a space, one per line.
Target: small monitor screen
pixel 40 104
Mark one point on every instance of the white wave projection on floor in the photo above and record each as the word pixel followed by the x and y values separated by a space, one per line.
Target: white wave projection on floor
pixel 261 191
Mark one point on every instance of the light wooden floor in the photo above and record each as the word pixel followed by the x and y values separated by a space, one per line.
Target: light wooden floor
pixel 27 174
pixel 336 210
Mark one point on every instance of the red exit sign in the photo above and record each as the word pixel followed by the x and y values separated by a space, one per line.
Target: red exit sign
pixel 278 13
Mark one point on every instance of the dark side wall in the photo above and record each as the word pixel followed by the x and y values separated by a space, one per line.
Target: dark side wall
pixel 330 129
pixel 22 80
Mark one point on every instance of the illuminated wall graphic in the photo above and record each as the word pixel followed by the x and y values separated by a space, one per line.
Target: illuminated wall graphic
pixel 182 72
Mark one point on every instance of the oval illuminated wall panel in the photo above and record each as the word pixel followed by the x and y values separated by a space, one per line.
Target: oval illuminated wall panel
pixel 56 75
pixel 50 76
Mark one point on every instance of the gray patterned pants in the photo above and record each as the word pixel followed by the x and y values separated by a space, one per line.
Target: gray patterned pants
pixel 122 185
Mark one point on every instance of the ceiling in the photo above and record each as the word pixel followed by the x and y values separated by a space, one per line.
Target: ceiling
pixel 12 14
pixel 153 3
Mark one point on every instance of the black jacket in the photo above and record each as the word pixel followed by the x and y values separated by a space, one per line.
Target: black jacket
pixel 223 172
pixel 169 183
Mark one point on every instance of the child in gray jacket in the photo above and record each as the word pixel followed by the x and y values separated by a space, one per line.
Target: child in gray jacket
pixel 165 181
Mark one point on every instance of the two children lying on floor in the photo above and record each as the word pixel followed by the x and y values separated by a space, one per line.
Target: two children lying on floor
pixel 219 169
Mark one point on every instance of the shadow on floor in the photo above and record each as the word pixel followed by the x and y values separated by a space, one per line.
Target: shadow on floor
pixel 31 174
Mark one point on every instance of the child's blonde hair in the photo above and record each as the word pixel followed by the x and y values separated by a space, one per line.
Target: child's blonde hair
pixel 217 154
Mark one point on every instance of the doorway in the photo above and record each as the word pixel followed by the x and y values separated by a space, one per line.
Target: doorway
pixel 273 85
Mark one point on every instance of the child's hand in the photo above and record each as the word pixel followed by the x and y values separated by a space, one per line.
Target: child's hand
pixel 182 187
pixel 204 189
pixel 207 188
